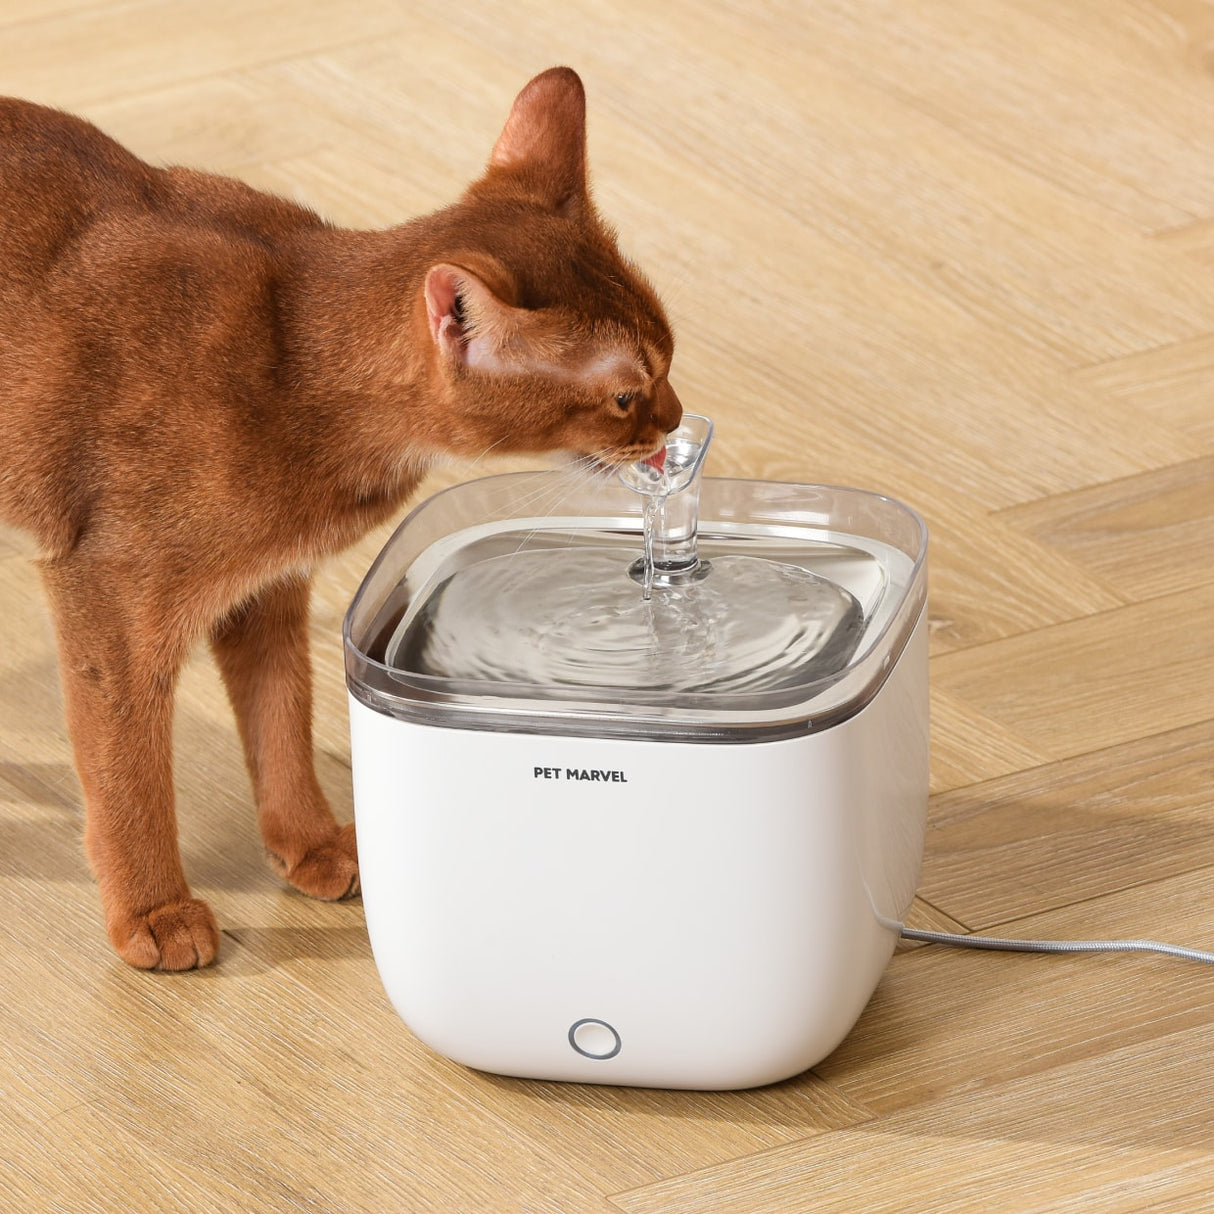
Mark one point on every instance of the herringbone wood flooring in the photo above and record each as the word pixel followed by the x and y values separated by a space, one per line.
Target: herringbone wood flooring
pixel 961 254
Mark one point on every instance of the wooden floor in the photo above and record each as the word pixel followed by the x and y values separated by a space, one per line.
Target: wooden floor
pixel 961 254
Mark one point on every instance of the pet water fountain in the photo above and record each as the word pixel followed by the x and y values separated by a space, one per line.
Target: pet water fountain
pixel 640 768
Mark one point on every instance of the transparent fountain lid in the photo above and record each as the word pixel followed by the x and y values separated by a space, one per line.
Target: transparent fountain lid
pixel 661 604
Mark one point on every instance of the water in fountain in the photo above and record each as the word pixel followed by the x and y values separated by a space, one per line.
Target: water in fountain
pixel 667 620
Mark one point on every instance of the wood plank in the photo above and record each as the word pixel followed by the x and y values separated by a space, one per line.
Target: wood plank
pixel 1146 536
pixel 250 1045
pixel 1108 1135
pixel 218 123
pixel 12 542
pixel 31 704
pixel 17 11
pixel 343 187
pixel 73 59
pixel 1196 239
pixel 1097 682
pixel 1169 384
pixel 1083 115
pixel 426 129
pixel 606 1133
pixel 1160 37
pixel 199 1082
pixel 948 1021
pixel 796 69
pixel 988 579
pixel 295 1006
pixel 1043 838
pixel 80 1158
pixel 968 747
pixel 148 1051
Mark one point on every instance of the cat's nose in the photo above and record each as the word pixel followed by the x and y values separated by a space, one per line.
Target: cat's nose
pixel 667 411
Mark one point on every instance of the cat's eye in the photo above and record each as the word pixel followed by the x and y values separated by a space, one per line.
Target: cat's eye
pixel 624 399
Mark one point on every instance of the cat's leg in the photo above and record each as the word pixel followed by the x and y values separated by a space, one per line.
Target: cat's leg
pixel 119 669
pixel 262 651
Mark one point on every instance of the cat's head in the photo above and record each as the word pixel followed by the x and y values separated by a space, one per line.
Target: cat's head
pixel 543 336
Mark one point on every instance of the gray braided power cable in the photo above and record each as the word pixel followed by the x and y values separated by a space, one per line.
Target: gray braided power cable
pixel 997 944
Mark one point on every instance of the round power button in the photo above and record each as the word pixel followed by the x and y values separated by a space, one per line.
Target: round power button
pixel 594 1039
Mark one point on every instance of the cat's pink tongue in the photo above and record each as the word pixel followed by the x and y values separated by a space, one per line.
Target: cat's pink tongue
pixel 657 461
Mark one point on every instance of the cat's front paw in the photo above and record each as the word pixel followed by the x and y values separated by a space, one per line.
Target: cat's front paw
pixel 328 871
pixel 176 936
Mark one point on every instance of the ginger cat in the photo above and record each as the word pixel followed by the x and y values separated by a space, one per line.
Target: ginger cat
pixel 205 389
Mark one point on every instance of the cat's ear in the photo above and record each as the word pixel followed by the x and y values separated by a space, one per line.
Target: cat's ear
pixel 469 323
pixel 544 139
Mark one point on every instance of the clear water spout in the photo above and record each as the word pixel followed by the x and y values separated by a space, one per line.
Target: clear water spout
pixel 671 487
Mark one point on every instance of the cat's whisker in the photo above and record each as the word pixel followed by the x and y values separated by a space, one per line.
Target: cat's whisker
pixel 539 501
pixel 546 498
pixel 674 284
pixel 597 464
pixel 498 443
pixel 529 501
pixel 559 482
pixel 558 490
